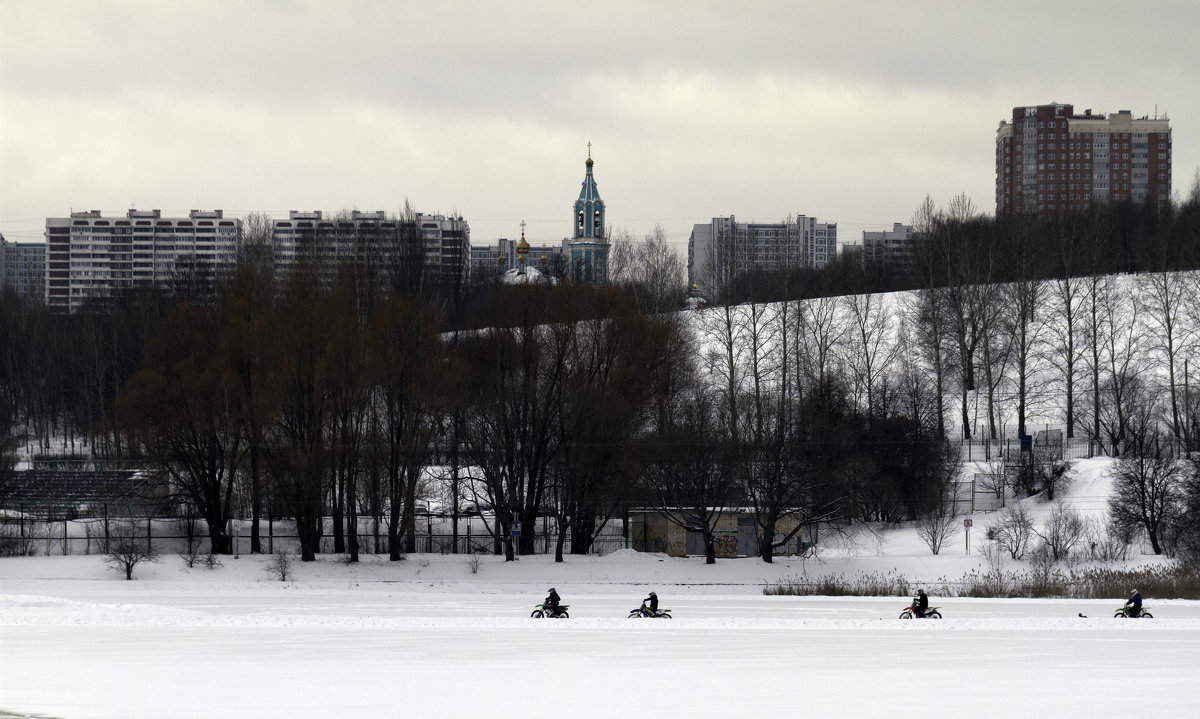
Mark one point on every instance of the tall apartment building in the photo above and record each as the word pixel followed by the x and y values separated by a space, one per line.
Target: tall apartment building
pixel 442 244
pixel 23 268
pixel 724 248
pixel 447 241
pixel 89 255
pixel 893 247
pixel 1050 159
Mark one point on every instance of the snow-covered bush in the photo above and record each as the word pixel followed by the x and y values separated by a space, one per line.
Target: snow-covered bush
pixel 1061 532
pixel 1013 530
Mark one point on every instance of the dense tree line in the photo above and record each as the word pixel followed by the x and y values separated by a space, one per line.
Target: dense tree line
pixel 325 395
pixel 327 399
pixel 1104 240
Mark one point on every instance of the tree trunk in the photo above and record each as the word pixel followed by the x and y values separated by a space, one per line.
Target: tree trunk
pixel 255 504
pixel 218 540
pixel 352 524
pixel 393 531
pixel 558 545
pixel 765 550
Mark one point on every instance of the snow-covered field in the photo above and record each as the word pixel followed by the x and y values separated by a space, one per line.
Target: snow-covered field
pixel 381 640
pixel 430 637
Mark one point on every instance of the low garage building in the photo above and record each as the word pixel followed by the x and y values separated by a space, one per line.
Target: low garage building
pixel 735 534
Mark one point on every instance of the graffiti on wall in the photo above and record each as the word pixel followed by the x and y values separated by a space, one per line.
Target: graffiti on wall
pixel 725 544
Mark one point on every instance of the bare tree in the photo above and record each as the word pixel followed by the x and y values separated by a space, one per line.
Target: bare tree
pixel 181 408
pixel 256 248
pixel 1061 532
pixel 938 524
pixel 970 298
pixel 126 550
pixel 1164 299
pixel 927 317
pixel 409 370
pixel 724 327
pixel 820 331
pixel 1023 321
pixel 658 274
pixel 1013 530
pixel 871 346
pixel 1148 481
pixel 611 364
pixel 280 566
pixel 621 257
pixel 687 468
pixel 1114 360
pixel 914 381
pixel 1041 469
pixel 1106 540
pixel 8 439
pixel 301 379
pixel 243 313
pixel 1066 311
pixel 513 394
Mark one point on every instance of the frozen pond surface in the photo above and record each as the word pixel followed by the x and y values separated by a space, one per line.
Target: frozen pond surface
pixel 337 644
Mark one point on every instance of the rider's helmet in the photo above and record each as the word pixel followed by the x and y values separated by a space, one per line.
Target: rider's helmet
pixel 1133 592
pixel 551 591
pixel 653 594
pixel 920 591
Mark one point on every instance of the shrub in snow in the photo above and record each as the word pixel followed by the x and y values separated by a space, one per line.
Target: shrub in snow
pixel 128 549
pixel 280 566
pixel 1106 540
pixel 938 526
pixel 194 556
pixel 1013 531
pixel 1061 532
pixel 15 543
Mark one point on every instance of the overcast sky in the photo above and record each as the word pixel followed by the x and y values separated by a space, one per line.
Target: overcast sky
pixel 851 112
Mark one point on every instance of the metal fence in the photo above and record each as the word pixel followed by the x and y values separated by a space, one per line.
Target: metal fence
pixel 25 536
pixel 986 450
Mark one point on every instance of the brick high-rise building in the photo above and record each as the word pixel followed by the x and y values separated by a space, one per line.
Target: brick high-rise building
pixel 1049 159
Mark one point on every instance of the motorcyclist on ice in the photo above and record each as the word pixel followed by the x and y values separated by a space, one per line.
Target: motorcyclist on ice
pixel 920 603
pixel 650 604
pixel 553 603
pixel 1133 605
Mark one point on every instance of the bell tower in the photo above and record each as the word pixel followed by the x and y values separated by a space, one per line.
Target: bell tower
pixel 589 208
pixel 589 247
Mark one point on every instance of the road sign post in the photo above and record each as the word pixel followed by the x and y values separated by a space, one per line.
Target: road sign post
pixel 967 525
